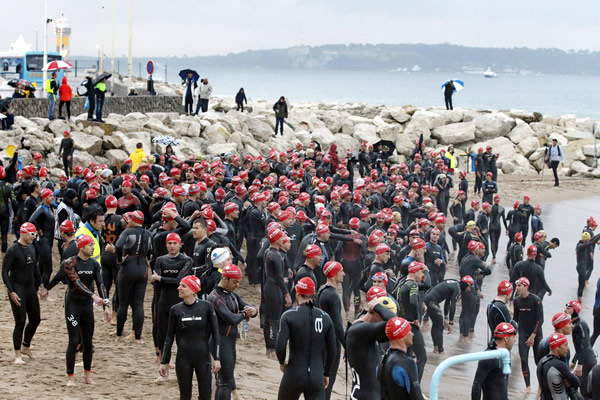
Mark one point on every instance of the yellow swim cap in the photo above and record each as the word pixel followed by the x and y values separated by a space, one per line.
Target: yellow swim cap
pixel 388 303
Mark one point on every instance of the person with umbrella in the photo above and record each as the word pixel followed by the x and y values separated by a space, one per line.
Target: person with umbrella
pixel 190 79
pixel 448 92
pixel 91 96
pixel 100 89
pixel 51 87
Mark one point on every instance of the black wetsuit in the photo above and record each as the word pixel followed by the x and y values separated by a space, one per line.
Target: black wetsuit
pixel 6 199
pixel 351 256
pixel 329 301
pixel 312 343
pixel 132 248
pixel 534 273
pixel 497 221
pixel 364 354
pixel 274 290
pixel 593 382
pixel 469 265
pixel 79 307
pixel 228 307
pixel 552 373
pixel 490 380
pixel 514 255
pixel 585 262
pixel 192 325
pixel 303 272
pixel 255 223
pixel 113 227
pixel 449 292
pixel 398 377
pixel 498 312
pixel 21 275
pixel 584 354
pixel 526 211
pixel 529 314
pixel 43 218
pixel 171 271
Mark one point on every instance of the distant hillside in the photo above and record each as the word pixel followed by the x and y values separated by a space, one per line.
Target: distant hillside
pixel 386 57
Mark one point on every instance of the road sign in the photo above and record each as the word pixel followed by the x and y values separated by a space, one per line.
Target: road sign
pixel 150 67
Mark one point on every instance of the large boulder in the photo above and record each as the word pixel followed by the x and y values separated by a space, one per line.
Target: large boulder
pixel 324 137
pixel 455 133
pixel 347 142
pixel 585 124
pixel 220 148
pixel 489 126
pixel 390 131
pixel 588 150
pixel 186 127
pixel 332 120
pixel 516 164
pixel 82 158
pixel 404 144
pixel 396 113
pixel 305 120
pixel 501 145
pixel 88 143
pixel 115 157
pixel 259 129
pixel 528 146
pixel 25 123
pixel 113 141
pixel 579 167
pixel 155 125
pixel 520 132
pixel 574 134
pixel 451 116
pixel 216 133
pixel 525 116
pixel 366 133
pixel 58 126
pixel 567 121
pixel 417 127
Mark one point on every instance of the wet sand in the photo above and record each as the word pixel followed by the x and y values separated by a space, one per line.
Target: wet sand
pixel 127 370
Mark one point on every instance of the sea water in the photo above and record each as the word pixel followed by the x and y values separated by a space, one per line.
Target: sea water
pixel 549 94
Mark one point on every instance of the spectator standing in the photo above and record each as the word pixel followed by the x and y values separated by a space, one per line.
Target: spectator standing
pixel 137 156
pixel 7 118
pixel 240 98
pixel 51 87
pixel 91 97
pixel 64 94
pixel 448 92
pixel 100 90
pixel 204 92
pixel 555 156
pixel 281 112
pixel 188 95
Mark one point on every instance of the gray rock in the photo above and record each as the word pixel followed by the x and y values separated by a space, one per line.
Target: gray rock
pixel 585 124
pixel 259 129
pixel 520 132
pixel 516 164
pixel 562 141
pixel 501 145
pixel 390 131
pixel 88 143
pixel 455 133
pixel 58 126
pixel 526 116
pixel 154 125
pixel 568 121
pixel 220 148
pixel 116 157
pixel 324 137
pixel 82 158
pixel 399 115
pixel 588 150
pixel 366 133
pixel 573 134
pixel 332 120
pixel 489 126
pixel 112 142
pixel 527 146
pixel 186 128
pixel 416 127
pixel 216 134
pixel 579 167
pixel 404 144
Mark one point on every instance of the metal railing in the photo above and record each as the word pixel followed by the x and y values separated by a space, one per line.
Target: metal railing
pixel 502 354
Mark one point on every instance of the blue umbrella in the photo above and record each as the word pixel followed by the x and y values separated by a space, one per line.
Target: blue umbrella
pixel 183 74
pixel 166 140
pixel 458 85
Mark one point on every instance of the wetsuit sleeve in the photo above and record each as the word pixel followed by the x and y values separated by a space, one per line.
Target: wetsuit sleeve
pixel 166 350
pixel 282 339
pixel 563 369
pixel 483 370
pixel 275 272
pixel 7 262
pixel 59 277
pixel 120 244
pixel 426 284
pixel 539 313
pixel 224 313
pixel 35 216
pixel 516 311
pixel 342 238
pixel 542 279
pixel 99 281
pixel 450 305
pixel 330 342
pixel 143 202
pixel 183 226
pixel 483 268
pixel 61 146
pixel 214 329
pixel 329 304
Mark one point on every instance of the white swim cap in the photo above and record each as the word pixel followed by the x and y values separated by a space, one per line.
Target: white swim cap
pixel 219 255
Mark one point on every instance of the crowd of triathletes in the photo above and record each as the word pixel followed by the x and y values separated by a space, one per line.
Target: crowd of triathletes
pixel 309 226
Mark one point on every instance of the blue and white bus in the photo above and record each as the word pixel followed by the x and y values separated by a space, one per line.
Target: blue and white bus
pixel 27 66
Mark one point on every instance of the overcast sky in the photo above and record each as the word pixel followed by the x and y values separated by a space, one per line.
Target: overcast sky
pixel 197 27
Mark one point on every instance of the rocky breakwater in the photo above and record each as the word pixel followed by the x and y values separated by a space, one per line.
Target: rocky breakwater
pixel 517 136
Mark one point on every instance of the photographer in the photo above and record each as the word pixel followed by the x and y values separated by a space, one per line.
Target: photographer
pixel 554 156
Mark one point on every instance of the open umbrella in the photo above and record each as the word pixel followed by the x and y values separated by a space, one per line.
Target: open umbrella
pixel 183 74
pixel 104 75
pixel 13 83
pixel 386 143
pixel 166 140
pixel 458 84
pixel 56 64
pixel 26 85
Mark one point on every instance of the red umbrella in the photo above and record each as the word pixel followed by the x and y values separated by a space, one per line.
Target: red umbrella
pixel 57 64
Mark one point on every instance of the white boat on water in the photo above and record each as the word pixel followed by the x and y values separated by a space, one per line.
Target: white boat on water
pixel 489 73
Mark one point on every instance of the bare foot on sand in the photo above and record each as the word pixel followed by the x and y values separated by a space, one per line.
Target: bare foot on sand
pixel 88 379
pixel 19 361
pixel 71 381
pixel 27 352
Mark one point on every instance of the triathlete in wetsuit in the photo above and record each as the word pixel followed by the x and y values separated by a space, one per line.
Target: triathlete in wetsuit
pixel 329 301
pixel 585 261
pixel 514 223
pixel 6 199
pixel 310 333
pixel 133 251
pixel 585 357
pixel 43 218
pixel 515 252
pixel 497 222
pixel 22 278
pixel 497 310
pixel 529 314
pixel 553 374
pixel 82 272
pixel 526 211
pixel 472 265
pixel 363 351
pixel 397 374
pixel 275 291
pixel 489 377
pixel 231 310
pixel 168 272
pixel 448 291
pixel 533 272
pixel 192 323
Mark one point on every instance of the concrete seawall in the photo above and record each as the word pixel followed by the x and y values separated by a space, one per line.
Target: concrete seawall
pixel 29 108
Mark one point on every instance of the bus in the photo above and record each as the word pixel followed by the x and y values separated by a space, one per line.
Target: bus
pixel 28 66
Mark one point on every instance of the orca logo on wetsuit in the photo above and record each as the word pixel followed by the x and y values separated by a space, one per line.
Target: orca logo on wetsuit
pixel 85 272
pixel 319 325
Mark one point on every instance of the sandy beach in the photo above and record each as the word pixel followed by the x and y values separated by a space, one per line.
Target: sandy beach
pixel 127 370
